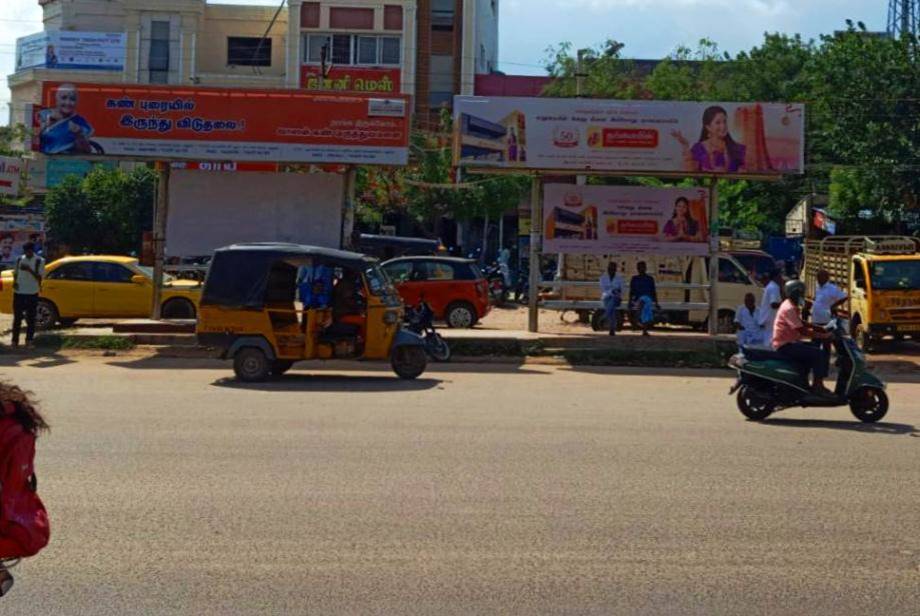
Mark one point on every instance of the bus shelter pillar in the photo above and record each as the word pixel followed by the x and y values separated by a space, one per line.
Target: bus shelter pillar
pixel 159 236
pixel 536 235
pixel 713 257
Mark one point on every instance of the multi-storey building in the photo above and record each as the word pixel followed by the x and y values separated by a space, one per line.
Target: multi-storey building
pixel 428 49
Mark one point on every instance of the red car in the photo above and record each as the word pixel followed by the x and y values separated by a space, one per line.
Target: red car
pixel 454 288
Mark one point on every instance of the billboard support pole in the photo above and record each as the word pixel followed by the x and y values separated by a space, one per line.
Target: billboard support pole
pixel 159 236
pixel 348 207
pixel 536 233
pixel 713 256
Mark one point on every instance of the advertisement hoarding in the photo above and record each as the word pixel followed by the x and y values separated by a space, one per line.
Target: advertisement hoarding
pixel 101 51
pixel 200 124
pixel 352 79
pixel 637 137
pixel 625 220
pixel 10 170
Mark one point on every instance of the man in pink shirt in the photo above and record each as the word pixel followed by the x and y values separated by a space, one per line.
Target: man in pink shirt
pixel 789 332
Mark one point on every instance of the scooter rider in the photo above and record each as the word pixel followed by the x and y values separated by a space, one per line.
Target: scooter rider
pixel 789 331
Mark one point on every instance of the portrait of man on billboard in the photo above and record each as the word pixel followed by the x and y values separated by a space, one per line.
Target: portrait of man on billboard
pixel 63 130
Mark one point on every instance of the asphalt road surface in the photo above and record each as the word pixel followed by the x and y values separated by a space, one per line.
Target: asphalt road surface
pixel 495 489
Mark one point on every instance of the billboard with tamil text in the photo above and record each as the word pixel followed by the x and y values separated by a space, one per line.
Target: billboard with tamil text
pixel 152 122
pixel 634 137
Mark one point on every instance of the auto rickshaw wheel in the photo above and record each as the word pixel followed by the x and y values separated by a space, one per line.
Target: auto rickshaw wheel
pixel 409 361
pixel 251 365
pixel 280 366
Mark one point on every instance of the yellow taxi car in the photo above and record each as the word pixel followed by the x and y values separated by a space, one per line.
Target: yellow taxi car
pixel 92 287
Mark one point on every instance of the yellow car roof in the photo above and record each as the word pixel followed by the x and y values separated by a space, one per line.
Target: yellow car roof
pixel 104 258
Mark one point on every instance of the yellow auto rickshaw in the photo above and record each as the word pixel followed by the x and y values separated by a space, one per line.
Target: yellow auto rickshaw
pixel 266 306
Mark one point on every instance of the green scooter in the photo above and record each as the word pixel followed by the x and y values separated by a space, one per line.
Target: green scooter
pixel 768 382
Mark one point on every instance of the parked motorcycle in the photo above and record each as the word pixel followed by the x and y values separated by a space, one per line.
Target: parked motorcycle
pixel 498 290
pixel 769 382
pixel 420 320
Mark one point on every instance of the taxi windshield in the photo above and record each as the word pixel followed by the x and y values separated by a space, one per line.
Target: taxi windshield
pixel 895 275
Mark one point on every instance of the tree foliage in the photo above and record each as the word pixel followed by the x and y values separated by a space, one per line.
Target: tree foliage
pixel 105 212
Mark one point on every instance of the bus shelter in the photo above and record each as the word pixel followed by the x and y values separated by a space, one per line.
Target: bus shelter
pixel 671 141
pixel 212 134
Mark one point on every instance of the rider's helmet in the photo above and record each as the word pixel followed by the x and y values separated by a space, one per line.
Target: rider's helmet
pixel 795 290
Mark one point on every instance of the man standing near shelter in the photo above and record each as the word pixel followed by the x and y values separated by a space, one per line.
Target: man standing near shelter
pixel 828 297
pixel 611 295
pixel 27 282
pixel 769 304
pixel 750 332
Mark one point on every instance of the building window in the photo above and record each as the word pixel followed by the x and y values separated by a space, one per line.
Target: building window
pixel 352 49
pixel 309 15
pixel 158 63
pixel 351 18
pixel 392 17
pixel 249 51
pixel 438 100
pixel 442 14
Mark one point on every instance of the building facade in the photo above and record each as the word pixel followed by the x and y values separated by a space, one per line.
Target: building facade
pixel 428 49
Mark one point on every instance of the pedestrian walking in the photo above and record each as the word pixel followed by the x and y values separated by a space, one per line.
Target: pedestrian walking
pixel 27 283
pixel 611 295
pixel 24 527
pixel 643 297
pixel 828 297
pixel 769 305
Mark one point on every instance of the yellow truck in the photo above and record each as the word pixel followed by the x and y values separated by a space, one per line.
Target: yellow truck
pixel 881 276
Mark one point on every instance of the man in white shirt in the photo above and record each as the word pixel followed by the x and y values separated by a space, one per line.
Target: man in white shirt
pixel 27 282
pixel 750 332
pixel 611 295
pixel 769 305
pixel 828 298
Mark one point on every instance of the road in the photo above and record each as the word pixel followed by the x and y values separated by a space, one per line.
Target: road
pixel 479 489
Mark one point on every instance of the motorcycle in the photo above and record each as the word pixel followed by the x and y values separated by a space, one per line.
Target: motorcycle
pixel 769 382
pixel 498 290
pixel 420 320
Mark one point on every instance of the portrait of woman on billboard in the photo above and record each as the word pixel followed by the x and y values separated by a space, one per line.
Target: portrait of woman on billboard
pixel 63 130
pixel 716 151
pixel 682 227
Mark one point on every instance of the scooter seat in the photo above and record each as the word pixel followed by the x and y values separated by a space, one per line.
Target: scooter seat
pixel 761 354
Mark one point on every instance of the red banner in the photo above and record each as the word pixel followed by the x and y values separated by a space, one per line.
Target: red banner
pixel 201 124
pixel 351 79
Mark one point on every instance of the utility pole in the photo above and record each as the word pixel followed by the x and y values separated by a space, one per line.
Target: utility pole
pixel 159 236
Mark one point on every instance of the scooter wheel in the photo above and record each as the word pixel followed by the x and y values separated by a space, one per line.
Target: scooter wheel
pixel 438 348
pixel 753 404
pixel 869 404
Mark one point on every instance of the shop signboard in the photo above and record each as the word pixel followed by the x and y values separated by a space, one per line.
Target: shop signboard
pixel 629 137
pixel 222 124
pixel 68 50
pixel 625 220
pixel 10 170
pixel 384 81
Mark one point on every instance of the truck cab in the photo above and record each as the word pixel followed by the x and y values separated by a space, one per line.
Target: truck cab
pixel 881 276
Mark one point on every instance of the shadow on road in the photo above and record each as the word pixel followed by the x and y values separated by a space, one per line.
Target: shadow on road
pixel 332 383
pixel 895 429
pixel 33 358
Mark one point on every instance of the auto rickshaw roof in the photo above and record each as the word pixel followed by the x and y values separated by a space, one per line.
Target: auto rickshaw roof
pixel 247 275
pixel 281 251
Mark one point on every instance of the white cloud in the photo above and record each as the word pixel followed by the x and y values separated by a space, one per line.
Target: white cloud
pixel 757 7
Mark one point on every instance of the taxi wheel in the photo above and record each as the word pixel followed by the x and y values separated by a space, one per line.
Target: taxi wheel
pixel 178 309
pixel 251 365
pixel 46 315
pixel 409 362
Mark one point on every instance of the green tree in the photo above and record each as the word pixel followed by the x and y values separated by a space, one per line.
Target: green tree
pixel 107 211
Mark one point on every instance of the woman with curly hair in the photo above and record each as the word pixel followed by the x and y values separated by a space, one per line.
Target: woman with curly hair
pixel 24 528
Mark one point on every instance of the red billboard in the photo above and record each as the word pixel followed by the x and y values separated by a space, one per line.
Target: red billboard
pixel 200 124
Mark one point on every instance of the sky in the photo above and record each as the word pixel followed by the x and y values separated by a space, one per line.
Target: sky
pixel 648 28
